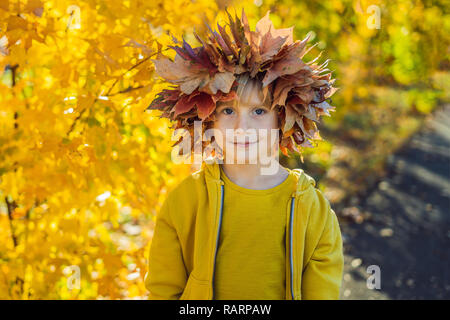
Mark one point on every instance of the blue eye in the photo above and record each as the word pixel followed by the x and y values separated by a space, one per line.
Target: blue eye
pixel 260 111
pixel 226 111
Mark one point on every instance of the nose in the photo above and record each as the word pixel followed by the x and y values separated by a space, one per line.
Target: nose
pixel 244 129
pixel 241 122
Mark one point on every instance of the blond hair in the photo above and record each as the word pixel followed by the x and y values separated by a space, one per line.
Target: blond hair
pixel 249 91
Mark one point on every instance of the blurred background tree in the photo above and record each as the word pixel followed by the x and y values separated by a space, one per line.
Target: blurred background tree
pixel 83 170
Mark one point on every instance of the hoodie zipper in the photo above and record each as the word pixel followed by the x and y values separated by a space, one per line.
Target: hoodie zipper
pixel 291 251
pixel 217 237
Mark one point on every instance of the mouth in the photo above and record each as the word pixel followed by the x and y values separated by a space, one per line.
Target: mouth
pixel 244 144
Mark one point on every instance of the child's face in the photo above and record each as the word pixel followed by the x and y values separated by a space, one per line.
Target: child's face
pixel 252 125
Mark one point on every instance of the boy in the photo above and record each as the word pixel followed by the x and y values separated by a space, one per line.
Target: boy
pixel 229 230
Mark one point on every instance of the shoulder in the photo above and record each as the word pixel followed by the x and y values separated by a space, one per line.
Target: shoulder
pixel 314 207
pixel 192 183
pixel 324 214
pixel 185 195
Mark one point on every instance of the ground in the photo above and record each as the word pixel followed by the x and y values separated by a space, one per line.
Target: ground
pixel 407 233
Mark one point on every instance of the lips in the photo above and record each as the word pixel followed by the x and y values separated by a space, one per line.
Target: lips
pixel 244 144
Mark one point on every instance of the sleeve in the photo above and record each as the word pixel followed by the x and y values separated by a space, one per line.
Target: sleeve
pixel 166 276
pixel 322 276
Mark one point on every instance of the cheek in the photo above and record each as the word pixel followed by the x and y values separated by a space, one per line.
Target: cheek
pixel 269 122
pixel 220 126
pixel 223 122
pixel 274 119
pixel 270 126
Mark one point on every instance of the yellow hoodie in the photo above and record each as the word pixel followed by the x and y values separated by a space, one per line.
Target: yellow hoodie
pixel 184 246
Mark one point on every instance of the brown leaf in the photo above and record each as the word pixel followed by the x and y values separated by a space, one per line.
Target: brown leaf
pixel 183 105
pixel 205 105
pixel 181 72
pixel 305 94
pixel 323 108
pixel 281 91
pixel 223 97
pixel 221 81
pixel 290 63
pixel 308 127
pixel 190 85
pixel 331 92
pixel 225 41
pixel 272 39
pixel 290 118
pixel 237 29
pixel 311 113
pixel 171 70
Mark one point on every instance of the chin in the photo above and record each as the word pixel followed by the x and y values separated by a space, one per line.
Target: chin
pixel 244 159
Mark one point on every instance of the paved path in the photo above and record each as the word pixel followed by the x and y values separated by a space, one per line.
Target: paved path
pixel 408 234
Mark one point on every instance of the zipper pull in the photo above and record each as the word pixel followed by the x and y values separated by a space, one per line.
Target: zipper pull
pixel 219 181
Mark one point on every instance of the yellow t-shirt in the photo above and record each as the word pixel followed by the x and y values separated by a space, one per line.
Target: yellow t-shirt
pixel 250 262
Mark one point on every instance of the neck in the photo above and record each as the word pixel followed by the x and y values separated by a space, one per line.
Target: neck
pixel 249 175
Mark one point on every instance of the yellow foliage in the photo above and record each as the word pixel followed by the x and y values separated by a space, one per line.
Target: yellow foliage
pixel 83 169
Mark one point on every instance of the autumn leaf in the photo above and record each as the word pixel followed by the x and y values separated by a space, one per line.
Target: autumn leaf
pixel 272 39
pixel 287 62
pixel 202 101
pixel 222 81
pixel 291 117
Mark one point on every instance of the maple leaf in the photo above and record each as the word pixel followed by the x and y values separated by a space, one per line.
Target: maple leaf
pixel 181 72
pixel 287 61
pixel 311 113
pixel 190 72
pixel 203 102
pixel 271 40
pixel 237 31
pixel 302 95
pixel 225 42
pixel 218 57
pixel 221 96
pixel 308 127
pixel 323 108
pixel 196 56
pixel 253 39
pixel 221 81
pixel 290 118
pixel 183 105
pixel 165 99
